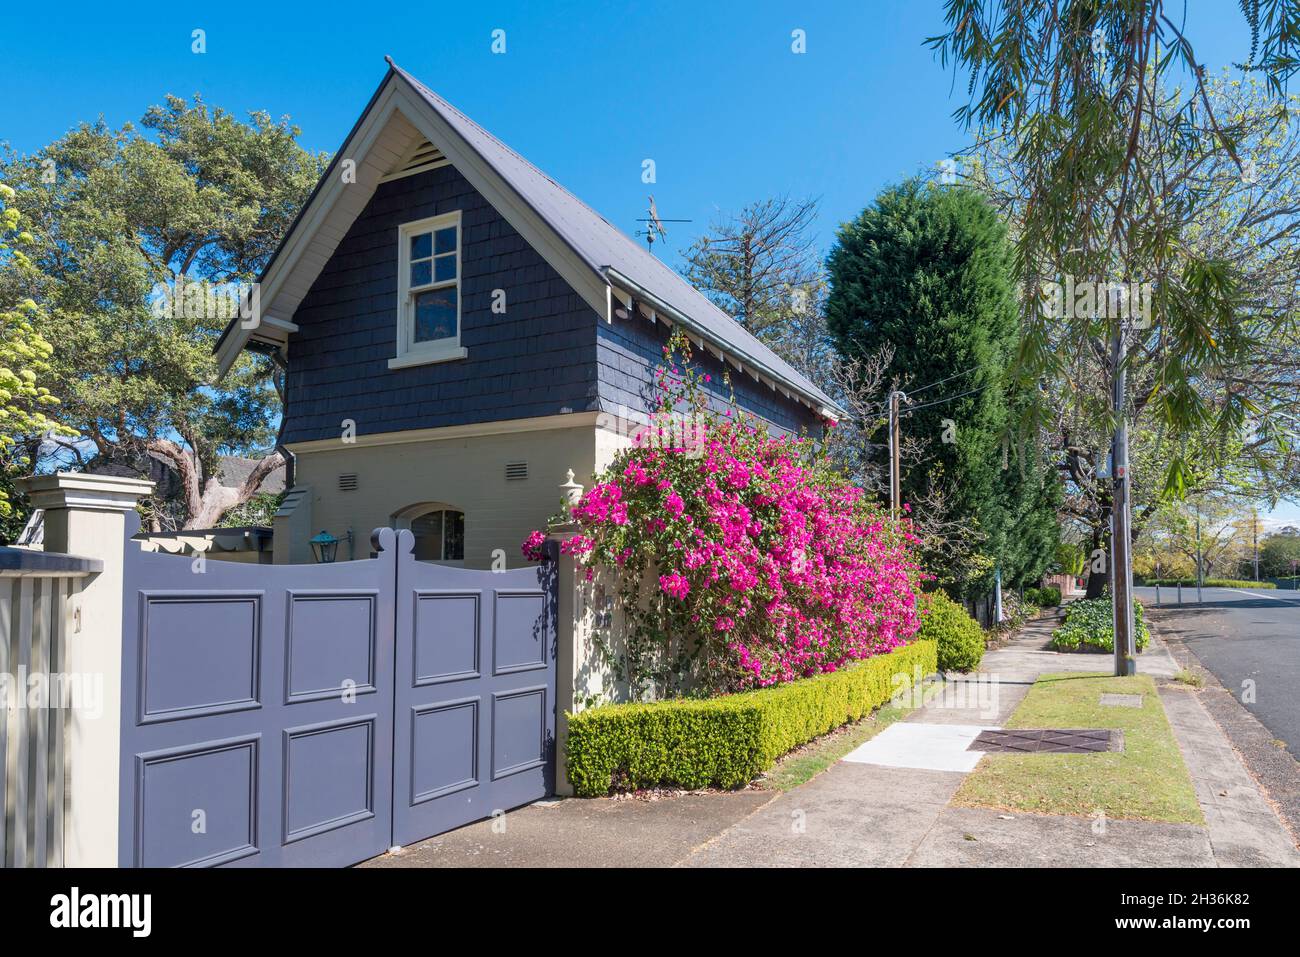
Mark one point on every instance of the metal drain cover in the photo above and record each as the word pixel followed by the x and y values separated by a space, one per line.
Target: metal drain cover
pixel 1049 741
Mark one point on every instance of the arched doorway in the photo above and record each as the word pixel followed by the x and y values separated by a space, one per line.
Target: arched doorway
pixel 439 531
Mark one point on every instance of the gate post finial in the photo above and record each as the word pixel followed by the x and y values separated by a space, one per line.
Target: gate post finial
pixel 571 489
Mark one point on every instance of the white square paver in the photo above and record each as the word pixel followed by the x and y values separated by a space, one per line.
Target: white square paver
pixel 934 747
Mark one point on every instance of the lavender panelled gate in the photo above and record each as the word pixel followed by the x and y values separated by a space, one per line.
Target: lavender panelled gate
pixel 315 715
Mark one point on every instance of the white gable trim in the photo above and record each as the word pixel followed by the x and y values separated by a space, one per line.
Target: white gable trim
pixel 585 278
pixel 655 309
pixel 336 204
pixel 393 125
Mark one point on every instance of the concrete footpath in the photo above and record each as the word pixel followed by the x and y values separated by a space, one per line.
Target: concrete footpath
pixel 860 813
pixel 865 814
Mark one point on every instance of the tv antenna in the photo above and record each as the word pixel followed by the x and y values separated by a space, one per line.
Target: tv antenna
pixel 655 226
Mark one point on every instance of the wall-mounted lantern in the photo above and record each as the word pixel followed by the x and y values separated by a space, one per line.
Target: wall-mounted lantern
pixel 326 547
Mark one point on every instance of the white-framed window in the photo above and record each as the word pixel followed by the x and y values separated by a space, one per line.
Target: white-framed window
pixel 428 291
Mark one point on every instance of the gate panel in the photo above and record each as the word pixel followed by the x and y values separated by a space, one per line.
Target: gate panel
pixel 257 711
pixel 475 693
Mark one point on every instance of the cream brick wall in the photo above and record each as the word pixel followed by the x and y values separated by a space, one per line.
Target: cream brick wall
pixel 462 470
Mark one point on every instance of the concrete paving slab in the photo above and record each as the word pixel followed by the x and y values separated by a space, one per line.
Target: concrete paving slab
pixel 853 815
pixel 933 747
pixel 594 832
pixel 1243 829
pixel 980 837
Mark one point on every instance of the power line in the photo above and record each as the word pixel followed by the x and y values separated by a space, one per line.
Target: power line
pixel 957 375
pixel 885 405
pixel 926 405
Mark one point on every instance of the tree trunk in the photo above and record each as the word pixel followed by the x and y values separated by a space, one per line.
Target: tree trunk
pixel 206 502
pixel 1098 580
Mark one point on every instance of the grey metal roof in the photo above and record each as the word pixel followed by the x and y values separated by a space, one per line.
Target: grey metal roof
pixel 604 247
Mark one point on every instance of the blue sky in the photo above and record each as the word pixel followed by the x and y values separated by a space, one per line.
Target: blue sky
pixel 710 91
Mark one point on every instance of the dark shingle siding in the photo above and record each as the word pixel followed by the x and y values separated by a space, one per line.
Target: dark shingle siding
pixel 548 354
pixel 537 359
pixel 628 350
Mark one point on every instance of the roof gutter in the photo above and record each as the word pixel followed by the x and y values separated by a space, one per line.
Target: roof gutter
pixel 828 409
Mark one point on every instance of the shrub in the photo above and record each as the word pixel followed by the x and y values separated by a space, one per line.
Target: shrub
pixel 730 740
pixel 1089 623
pixel 957 636
pixel 742 560
pixel 1015 611
pixel 1048 596
pixel 1209 583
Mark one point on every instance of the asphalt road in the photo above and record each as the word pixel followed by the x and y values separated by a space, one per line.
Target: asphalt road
pixel 1244 635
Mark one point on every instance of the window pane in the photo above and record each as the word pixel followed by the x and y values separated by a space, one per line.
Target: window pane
pixel 427 530
pixel 444 268
pixel 435 315
pixel 445 241
pixel 421 246
pixel 421 273
pixel 453 540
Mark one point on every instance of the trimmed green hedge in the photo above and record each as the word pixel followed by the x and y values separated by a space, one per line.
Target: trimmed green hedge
pixel 728 741
pixel 1208 583
pixel 958 637
pixel 1048 596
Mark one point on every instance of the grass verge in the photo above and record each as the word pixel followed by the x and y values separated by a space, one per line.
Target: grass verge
pixel 1146 781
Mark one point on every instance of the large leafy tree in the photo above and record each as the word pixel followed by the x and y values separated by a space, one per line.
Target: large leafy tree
pixel 924 274
pixel 1083 87
pixel 1249 396
pixel 1279 553
pixel 761 266
pixel 192 196
pixel 26 402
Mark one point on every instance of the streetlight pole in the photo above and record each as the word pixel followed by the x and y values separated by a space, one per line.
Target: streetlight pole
pixel 1254 531
pixel 1121 565
pixel 1198 553
pixel 895 473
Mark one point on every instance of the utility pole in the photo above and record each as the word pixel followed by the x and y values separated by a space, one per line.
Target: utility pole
pixel 895 474
pixel 1254 531
pixel 1121 564
pixel 1198 552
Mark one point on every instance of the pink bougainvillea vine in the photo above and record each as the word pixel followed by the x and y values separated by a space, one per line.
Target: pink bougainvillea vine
pixel 743 559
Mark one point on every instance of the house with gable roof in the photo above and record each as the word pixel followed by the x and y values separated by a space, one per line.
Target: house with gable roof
pixel 458 331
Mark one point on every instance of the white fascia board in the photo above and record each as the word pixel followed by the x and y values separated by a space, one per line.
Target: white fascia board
pixel 742 362
pixel 355 148
pixel 585 279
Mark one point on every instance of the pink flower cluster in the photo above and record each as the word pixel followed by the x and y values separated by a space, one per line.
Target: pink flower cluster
pixel 767 560
pixel 534 547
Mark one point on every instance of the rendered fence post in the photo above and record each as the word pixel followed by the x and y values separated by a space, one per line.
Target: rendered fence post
pixel 569 631
pixel 85 515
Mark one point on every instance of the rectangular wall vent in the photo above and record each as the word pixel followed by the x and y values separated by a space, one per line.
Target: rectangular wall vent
pixel 516 470
pixel 348 482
